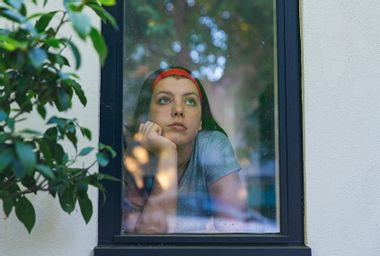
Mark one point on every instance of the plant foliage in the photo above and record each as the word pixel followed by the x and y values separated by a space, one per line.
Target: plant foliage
pixel 34 75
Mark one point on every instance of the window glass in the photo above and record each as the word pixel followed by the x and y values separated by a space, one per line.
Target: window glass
pixel 223 174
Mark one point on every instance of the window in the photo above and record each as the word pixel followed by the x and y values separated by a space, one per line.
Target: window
pixel 229 47
pixel 285 236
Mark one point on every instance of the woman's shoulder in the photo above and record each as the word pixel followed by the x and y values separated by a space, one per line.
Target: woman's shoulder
pixel 216 155
pixel 211 135
pixel 211 139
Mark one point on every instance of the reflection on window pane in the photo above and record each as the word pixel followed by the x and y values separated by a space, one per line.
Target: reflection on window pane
pixel 222 180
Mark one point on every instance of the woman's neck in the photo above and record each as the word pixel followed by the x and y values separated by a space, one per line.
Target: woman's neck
pixel 184 154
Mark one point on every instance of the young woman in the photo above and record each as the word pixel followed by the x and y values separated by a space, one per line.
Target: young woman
pixel 181 169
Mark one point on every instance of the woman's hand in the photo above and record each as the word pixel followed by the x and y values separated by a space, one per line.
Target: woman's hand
pixel 158 213
pixel 150 136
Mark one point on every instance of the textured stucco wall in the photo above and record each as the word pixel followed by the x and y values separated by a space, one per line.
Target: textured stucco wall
pixel 55 232
pixel 341 47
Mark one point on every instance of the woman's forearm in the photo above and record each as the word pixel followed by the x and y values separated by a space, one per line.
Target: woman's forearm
pixel 229 201
pixel 158 214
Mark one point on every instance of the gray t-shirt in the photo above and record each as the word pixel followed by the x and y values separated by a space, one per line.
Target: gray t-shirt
pixel 211 159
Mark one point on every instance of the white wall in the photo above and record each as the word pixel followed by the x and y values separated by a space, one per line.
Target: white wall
pixel 341 64
pixel 56 233
pixel 341 47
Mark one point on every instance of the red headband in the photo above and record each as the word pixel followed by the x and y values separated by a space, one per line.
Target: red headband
pixel 177 72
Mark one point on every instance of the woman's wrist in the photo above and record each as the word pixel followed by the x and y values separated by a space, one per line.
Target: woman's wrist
pixel 168 152
pixel 167 169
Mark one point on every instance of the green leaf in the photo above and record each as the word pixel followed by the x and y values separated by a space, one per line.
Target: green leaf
pixel 4 137
pixel 31 132
pixel 73 138
pixel 18 169
pixel 19 60
pixel 78 91
pixel 81 24
pixel 65 158
pixel 51 134
pixel 73 5
pixel 35 15
pixel 112 152
pixel 26 156
pixel 11 124
pixel 14 188
pixel 7 205
pixel 37 56
pixel 25 213
pixel 4 32
pixel 103 14
pixel 86 132
pixel 12 15
pixel 85 151
pixel 76 54
pixel 85 207
pixel 109 149
pixel 14 3
pixel 44 21
pixel 53 42
pixel 42 111
pixel 67 199
pixel 107 2
pixel 59 154
pixel 45 171
pixel 3 115
pixel 104 176
pixel 102 159
pixel 23 9
pixel 83 188
pixel 63 99
pixel 10 44
pixel 28 182
pixel 98 185
pixel 70 126
pixel 6 157
pixel 99 44
pixel 45 149
pixel 101 188
pixel 61 60
pixel 64 76
pixel 74 75
pixel 60 122
pixel 29 26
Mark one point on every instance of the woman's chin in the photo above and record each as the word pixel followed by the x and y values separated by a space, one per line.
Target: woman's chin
pixel 179 139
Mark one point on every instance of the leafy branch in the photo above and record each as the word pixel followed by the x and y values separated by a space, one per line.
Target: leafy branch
pixel 34 74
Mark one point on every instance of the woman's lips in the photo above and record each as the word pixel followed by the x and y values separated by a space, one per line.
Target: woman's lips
pixel 177 126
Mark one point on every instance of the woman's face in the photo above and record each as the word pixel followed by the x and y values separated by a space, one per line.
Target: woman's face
pixel 176 107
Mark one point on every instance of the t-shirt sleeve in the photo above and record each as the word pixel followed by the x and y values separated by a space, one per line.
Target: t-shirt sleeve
pixel 218 157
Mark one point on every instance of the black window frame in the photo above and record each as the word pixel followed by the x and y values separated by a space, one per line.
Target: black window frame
pixel 290 240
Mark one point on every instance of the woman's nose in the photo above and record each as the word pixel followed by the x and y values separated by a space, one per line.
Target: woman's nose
pixel 178 110
pixel 178 113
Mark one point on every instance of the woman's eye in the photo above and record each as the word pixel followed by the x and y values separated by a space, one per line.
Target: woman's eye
pixel 190 102
pixel 163 101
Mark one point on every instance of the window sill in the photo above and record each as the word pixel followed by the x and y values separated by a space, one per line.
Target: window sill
pixel 116 250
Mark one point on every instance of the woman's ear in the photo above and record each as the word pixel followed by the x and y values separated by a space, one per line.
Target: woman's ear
pixel 200 126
